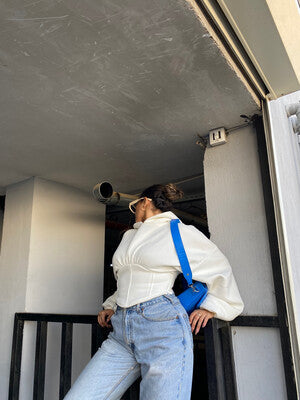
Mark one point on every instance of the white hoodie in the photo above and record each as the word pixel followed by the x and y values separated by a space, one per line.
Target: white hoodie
pixel 146 265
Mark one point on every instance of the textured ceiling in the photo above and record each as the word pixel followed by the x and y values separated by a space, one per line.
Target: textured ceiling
pixel 110 90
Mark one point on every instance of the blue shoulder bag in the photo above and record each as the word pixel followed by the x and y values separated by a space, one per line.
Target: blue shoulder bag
pixel 196 292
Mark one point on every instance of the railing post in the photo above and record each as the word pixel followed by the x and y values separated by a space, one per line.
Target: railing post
pixel 228 360
pixel 40 360
pixel 214 360
pixel 16 357
pixel 66 359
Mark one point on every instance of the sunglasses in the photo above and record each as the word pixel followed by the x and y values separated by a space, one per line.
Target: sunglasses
pixel 132 205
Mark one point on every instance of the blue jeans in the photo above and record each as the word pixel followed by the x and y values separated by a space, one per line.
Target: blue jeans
pixel 152 339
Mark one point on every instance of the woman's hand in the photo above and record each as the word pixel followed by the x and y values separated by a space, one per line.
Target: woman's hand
pixel 104 316
pixel 198 317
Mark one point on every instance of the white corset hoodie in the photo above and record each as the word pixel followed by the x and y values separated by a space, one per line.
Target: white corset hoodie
pixel 146 265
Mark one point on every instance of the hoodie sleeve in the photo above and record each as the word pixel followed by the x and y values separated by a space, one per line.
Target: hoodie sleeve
pixel 110 302
pixel 209 265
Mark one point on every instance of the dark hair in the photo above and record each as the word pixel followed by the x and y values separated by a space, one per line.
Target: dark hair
pixel 163 196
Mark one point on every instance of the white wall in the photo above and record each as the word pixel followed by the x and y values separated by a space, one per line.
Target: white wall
pixel 237 223
pixel 66 250
pixel 57 268
pixel 13 268
pixel 237 220
pixel 257 375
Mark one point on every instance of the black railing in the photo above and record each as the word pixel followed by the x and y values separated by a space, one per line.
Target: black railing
pixel 218 349
pixel 98 334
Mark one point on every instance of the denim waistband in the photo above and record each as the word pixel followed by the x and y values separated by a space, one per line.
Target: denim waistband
pixel 171 296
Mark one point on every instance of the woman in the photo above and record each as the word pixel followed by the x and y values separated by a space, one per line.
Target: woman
pixel 152 332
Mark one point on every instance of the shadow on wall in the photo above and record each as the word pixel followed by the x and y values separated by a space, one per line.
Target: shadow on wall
pixel 2 205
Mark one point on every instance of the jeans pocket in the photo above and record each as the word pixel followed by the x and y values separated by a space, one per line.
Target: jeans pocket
pixel 160 311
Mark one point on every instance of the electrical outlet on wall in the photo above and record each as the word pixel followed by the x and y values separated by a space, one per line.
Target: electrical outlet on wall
pixel 217 136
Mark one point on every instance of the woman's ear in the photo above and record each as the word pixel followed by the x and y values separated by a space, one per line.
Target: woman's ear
pixel 147 202
pixel 144 204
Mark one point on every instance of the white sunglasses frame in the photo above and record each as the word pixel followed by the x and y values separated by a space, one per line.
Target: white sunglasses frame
pixel 136 201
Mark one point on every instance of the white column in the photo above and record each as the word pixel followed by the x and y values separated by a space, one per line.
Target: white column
pixel 237 223
pixel 51 262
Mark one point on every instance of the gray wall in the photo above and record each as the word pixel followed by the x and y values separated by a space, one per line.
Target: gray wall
pixel 237 224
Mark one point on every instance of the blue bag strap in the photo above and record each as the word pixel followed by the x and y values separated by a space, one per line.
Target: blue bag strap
pixel 184 262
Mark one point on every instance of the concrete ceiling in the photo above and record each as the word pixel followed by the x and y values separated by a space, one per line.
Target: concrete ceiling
pixel 114 90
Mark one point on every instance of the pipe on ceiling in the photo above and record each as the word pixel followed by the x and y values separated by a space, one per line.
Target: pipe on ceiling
pixel 104 193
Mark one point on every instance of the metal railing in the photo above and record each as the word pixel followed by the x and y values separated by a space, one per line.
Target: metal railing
pixel 219 352
pixel 98 335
